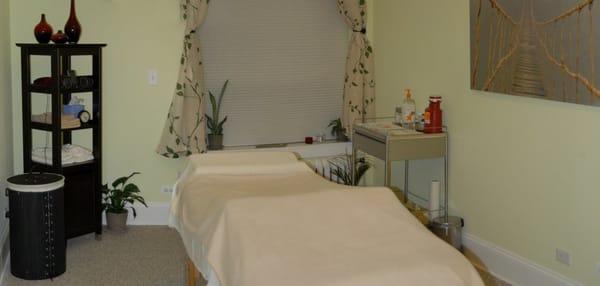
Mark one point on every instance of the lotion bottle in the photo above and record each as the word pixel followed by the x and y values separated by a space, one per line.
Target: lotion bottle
pixel 408 111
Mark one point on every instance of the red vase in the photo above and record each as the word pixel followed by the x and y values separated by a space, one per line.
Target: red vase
pixel 72 27
pixel 60 37
pixel 43 31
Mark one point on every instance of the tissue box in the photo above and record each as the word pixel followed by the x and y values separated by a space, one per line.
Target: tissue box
pixel 73 109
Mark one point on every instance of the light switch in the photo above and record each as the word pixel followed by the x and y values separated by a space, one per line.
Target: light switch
pixel 153 77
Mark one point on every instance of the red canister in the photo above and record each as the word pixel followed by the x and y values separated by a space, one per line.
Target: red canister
pixel 433 115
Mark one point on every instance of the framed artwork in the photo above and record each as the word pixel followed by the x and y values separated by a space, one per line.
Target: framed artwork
pixel 548 49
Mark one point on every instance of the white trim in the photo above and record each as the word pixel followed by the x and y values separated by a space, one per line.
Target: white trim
pixel 155 214
pixel 511 267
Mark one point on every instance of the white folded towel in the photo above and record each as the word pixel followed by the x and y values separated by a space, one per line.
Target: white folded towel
pixel 71 154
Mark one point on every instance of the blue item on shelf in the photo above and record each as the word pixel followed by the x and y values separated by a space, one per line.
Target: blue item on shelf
pixel 73 109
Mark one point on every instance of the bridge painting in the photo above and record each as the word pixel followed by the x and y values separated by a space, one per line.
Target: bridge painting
pixel 537 48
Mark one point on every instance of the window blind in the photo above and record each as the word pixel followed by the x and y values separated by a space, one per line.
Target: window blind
pixel 285 61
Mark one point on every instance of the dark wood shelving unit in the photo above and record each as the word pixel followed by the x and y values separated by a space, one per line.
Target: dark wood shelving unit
pixel 83 181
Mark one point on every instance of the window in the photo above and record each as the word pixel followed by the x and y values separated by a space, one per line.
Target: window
pixel 285 61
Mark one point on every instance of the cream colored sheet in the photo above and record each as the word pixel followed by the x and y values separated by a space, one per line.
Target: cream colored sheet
pixel 270 221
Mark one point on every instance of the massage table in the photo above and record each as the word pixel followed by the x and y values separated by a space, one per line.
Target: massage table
pixel 266 219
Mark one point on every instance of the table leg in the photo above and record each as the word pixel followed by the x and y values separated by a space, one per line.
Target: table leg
pixel 406 166
pixel 446 202
pixel 353 163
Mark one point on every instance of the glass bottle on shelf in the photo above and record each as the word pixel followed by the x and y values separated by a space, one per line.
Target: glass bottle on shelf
pixel 408 111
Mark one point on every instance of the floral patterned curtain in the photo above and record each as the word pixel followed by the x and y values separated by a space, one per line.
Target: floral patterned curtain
pixel 359 86
pixel 185 129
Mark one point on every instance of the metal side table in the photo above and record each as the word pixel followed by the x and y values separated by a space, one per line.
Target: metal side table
pixel 389 142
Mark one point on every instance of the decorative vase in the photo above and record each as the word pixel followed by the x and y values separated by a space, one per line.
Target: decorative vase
pixel 59 37
pixel 72 27
pixel 117 221
pixel 215 142
pixel 43 31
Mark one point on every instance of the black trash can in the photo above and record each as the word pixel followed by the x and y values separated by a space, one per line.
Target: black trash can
pixel 37 226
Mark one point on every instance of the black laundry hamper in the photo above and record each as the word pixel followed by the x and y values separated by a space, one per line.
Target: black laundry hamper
pixel 37 226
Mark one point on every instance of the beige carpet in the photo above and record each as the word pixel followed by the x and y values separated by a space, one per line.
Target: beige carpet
pixel 152 256
pixel 144 256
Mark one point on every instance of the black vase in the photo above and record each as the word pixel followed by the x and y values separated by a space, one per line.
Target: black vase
pixel 72 27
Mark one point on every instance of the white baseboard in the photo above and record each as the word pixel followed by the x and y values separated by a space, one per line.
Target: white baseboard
pixel 154 214
pixel 511 267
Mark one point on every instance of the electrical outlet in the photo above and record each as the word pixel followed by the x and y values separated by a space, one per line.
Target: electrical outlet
pixel 563 257
pixel 598 267
pixel 166 189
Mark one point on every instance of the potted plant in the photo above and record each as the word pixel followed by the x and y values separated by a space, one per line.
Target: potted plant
pixel 338 130
pixel 215 138
pixel 117 199
pixel 340 169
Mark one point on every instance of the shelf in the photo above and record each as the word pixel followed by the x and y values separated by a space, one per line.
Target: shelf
pixel 83 181
pixel 70 168
pixel 60 46
pixel 50 90
pixel 48 127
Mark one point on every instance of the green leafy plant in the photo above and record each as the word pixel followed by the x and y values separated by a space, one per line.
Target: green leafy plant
pixel 340 168
pixel 214 125
pixel 121 196
pixel 337 129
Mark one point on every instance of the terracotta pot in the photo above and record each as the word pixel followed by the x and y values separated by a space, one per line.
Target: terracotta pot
pixel 60 37
pixel 72 27
pixel 117 222
pixel 43 31
pixel 215 142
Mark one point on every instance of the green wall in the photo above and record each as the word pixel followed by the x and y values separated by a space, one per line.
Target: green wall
pixel 141 35
pixel 523 172
pixel 6 142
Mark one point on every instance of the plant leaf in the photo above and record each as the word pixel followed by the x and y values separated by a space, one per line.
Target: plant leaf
pixel 213 103
pixel 223 89
pixel 220 126
pixel 123 180
pixel 131 188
